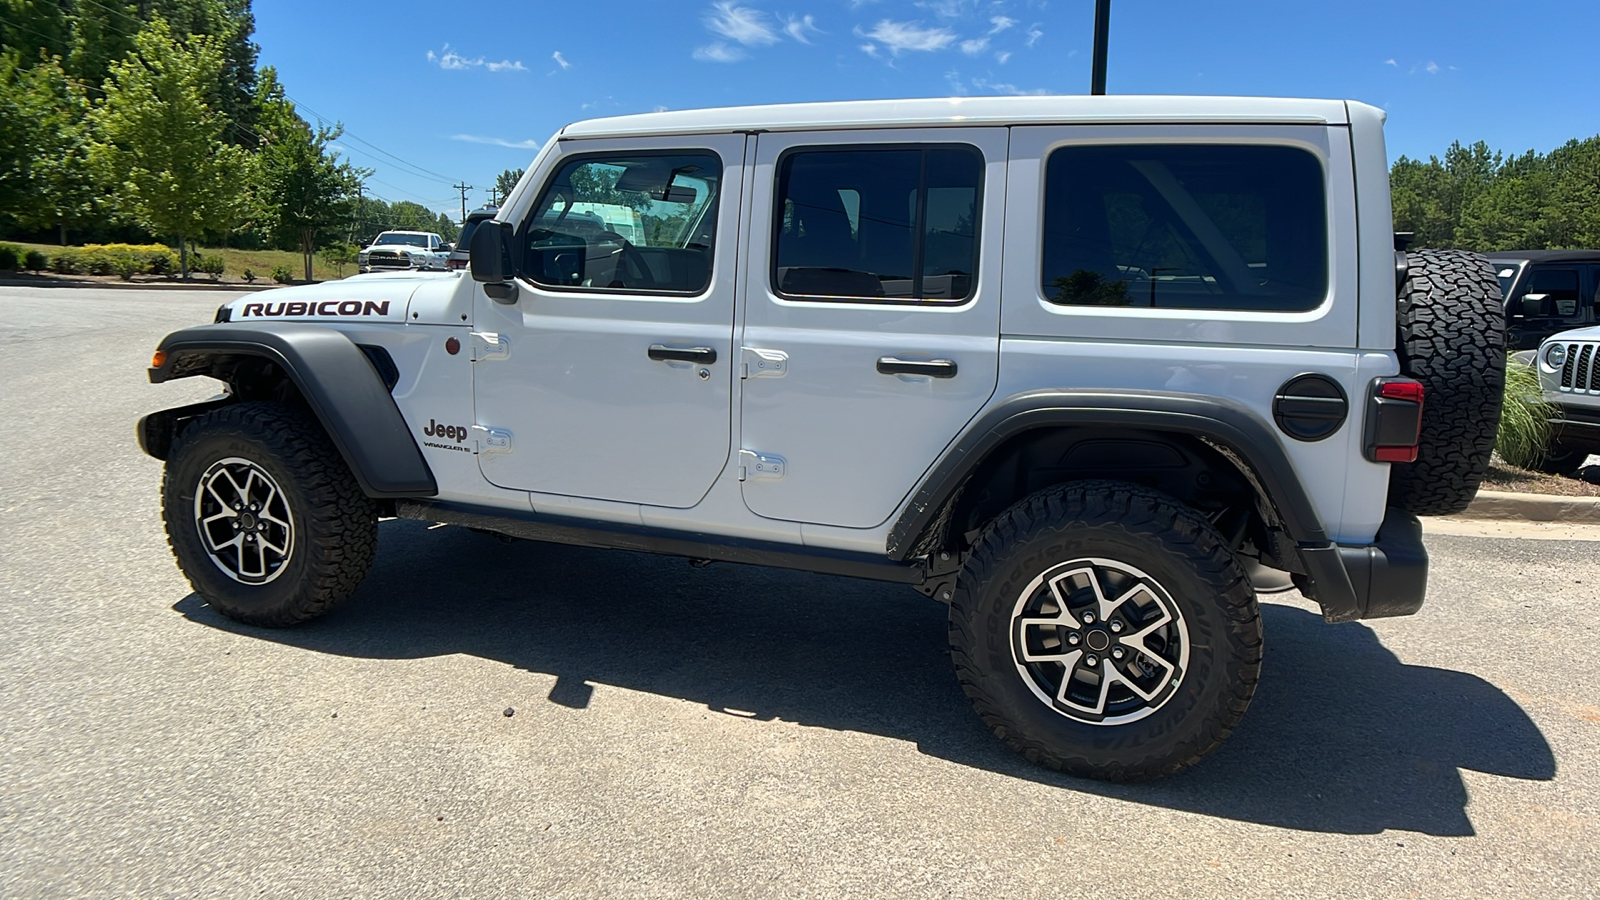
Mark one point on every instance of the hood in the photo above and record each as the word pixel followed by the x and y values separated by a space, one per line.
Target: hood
pixel 1591 333
pixel 367 298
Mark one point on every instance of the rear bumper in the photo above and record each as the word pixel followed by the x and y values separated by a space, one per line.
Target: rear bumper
pixel 1388 577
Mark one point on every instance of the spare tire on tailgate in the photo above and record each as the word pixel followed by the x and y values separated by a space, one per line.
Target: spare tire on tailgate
pixel 1452 339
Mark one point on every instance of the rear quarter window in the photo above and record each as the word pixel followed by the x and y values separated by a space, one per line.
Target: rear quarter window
pixel 1204 226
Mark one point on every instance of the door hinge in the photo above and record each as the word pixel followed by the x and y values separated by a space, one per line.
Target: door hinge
pixel 758 363
pixel 755 466
pixel 491 440
pixel 490 345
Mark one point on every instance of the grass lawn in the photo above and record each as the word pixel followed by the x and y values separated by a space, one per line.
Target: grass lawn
pixel 236 261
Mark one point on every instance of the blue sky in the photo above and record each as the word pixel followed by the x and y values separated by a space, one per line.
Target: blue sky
pixel 437 92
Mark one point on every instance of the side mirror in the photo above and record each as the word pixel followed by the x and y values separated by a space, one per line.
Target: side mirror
pixel 1531 304
pixel 491 262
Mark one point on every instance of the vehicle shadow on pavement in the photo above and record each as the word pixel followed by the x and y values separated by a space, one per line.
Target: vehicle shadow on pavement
pixel 1342 737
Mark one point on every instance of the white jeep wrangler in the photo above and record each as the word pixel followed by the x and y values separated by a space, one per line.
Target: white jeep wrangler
pixel 1075 366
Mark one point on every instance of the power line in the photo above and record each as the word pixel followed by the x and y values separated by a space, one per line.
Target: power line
pixel 324 119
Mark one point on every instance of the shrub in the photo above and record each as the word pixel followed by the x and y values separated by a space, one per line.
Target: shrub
pixel 211 265
pixel 67 262
pixel 250 276
pixel 1524 418
pixel 283 274
pixel 125 265
pixel 99 262
pixel 36 261
pixel 162 263
pixel 10 257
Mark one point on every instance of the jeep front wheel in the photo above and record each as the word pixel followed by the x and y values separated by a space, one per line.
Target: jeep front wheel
pixel 264 516
pixel 1106 630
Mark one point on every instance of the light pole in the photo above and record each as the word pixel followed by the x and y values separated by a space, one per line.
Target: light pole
pixel 1102 32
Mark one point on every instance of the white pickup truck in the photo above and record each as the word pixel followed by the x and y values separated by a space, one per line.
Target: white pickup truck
pixel 404 250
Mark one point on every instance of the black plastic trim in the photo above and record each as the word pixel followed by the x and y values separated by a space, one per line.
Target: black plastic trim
pixel 1390 575
pixel 1310 407
pixel 337 379
pixel 1222 422
pixel 156 430
pixel 693 545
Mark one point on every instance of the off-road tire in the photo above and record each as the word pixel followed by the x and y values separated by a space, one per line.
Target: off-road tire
pixel 1558 460
pixel 1452 339
pixel 336 524
pixel 1148 530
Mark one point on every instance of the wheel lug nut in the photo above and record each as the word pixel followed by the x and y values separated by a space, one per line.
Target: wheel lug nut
pixel 1092 660
pixel 1088 618
pixel 1116 653
pixel 1073 638
pixel 1116 627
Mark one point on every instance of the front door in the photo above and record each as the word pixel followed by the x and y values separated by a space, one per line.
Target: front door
pixel 872 312
pixel 609 376
pixel 1551 301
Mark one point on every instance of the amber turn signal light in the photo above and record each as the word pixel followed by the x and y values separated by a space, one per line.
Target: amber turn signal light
pixel 158 359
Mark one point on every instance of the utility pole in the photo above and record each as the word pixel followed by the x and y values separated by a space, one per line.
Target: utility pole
pixel 463 187
pixel 355 220
pixel 1102 34
pixel 494 195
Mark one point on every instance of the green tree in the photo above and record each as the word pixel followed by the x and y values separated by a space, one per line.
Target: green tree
pixel 159 145
pixel 505 181
pixel 406 215
pixel 306 192
pixel 57 188
pixel 446 227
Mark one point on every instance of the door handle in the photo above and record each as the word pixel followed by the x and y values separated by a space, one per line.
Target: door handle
pixel 703 355
pixel 935 368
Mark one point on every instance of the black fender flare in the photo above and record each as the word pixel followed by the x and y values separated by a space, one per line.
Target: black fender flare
pixel 345 392
pixel 1228 426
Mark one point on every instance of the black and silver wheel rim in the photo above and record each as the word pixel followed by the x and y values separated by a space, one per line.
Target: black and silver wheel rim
pixel 244 521
pixel 1099 641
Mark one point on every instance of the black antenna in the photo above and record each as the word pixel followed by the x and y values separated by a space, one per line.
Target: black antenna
pixel 1102 33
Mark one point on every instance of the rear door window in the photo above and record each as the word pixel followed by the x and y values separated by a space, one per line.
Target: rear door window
pixel 878 223
pixel 1204 226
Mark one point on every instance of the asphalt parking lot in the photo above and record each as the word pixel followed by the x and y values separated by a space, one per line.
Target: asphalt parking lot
pixel 703 733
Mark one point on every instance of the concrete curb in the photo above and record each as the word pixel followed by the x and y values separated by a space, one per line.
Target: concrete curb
pixel 1533 508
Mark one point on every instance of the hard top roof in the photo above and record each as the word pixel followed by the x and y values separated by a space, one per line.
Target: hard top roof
pixel 1114 109
pixel 1545 255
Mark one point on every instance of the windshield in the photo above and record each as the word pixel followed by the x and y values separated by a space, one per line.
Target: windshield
pixel 410 240
pixel 1506 274
pixel 464 239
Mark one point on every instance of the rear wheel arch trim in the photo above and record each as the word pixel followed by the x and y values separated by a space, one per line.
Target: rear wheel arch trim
pixel 338 381
pixel 1228 427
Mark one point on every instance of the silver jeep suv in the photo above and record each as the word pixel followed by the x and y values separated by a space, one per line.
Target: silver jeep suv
pixel 1071 365
pixel 1569 376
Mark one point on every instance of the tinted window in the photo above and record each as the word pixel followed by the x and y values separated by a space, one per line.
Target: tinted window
pixel 464 239
pixel 1551 293
pixel 878 223
pixel 642 222
pixel 1185 226
pixel 1506 274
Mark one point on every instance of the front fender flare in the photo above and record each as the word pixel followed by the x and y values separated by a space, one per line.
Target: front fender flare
pixel 338 382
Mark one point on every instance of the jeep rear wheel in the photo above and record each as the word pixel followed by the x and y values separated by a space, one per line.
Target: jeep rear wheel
pixel 264 516
pixel 1452 339
pixel 1106 630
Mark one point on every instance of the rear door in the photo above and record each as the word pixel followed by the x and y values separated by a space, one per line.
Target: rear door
pixel 872 312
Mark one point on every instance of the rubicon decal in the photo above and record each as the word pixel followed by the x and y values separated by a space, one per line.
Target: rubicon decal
pixel 324 308
pixel 455 433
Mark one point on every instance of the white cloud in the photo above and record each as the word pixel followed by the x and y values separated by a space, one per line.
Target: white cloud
pixel 1390 62
pixel 870 50
pixel 1002 56
pixel 903 36
pixel 498 142
pixel 946 9
pixel 798 27
pixel 1000 23
pixel 975 46
pixel 1432 67
pixel 560 60
pixel 659 108
pixel 1033 36
pixel 740 23
pixel 451 60
pixel 717 51
pixel 996 87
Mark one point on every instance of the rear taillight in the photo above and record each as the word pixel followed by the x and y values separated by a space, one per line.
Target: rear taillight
pixel 1394 420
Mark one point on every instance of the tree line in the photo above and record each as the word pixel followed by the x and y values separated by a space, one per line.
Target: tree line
pixel 125 120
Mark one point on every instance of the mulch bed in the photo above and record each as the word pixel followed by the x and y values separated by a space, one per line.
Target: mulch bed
pixel 1505 477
